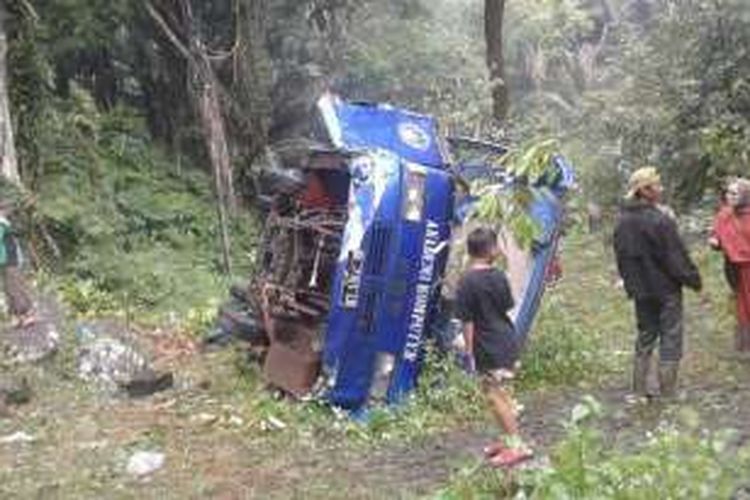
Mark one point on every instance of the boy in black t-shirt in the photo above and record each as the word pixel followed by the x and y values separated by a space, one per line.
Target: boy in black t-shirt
pixel 483 300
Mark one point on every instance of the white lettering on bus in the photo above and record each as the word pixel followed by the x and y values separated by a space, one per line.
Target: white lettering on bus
pixel 418 316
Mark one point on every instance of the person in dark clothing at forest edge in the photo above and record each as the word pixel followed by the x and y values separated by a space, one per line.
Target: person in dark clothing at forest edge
pixel 17 296
pixel 483 299
pixel 654 265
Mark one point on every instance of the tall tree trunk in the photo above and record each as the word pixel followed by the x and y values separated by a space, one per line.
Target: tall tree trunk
pixel 206 91
pixel 204 88
pixel 212 123
pixel 494 11
pixel 8 160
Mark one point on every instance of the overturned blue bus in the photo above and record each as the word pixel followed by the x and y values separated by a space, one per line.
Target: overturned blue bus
pixel 355 244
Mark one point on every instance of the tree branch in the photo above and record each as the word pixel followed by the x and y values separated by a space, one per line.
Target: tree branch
pixel 30 10
pixel 178 44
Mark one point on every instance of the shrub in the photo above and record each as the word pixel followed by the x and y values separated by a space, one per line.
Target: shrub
pixel 670 463
pixel 135 230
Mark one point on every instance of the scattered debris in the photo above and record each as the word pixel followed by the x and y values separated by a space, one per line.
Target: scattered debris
pixel 142 463
pixel 236 421
pixel 204 418
pixel 147 382
pixel 106 360
pixel 742 493
pixel 31 343
pixel 107 357
pixel 168 346
pixel 38 340
pixel 273 423
pixel 237 319
pixel 14 391
pixel 17 437
pixel 93 445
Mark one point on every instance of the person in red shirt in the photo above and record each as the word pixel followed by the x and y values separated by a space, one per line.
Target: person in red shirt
pixel 731 235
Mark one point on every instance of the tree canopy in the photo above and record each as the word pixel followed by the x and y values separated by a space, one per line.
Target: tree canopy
pixel 617 83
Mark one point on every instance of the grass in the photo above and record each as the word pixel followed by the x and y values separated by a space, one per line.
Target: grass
pixel 226 436
pixel 675 461
pixel 584 334
pixel 584 329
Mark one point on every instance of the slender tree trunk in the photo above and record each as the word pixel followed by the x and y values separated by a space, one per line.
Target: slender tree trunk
pixel 204 88
pixel 206 91
pixel 215 136
pixel 494 11
pixel 212 123
pixel 8 160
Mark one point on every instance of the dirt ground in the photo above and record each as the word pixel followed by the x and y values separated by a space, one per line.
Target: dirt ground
pixel 221 440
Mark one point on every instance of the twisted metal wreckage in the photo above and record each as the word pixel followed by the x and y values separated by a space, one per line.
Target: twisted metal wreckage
pixel 355 246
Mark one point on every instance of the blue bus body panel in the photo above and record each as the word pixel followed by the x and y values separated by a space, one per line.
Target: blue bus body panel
pixel 385 284
pixel 352 339
pixel 356 126
pixel 424 253
pixel 546 210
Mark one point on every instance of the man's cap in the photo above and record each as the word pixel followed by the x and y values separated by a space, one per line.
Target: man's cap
pixel 642 178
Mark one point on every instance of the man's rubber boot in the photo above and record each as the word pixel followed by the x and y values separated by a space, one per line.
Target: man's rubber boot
pixel 668 379
pixel 641 364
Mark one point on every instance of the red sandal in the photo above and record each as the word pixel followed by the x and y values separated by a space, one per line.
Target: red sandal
pixel 511 456
pixel 493 449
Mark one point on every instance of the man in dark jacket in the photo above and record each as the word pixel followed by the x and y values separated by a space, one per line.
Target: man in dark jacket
pixel 654 265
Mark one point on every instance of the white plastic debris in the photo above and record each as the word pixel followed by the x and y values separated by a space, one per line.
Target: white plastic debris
pixel 93 445
pixel 273 423
pixel 236 421
pixel 142 463
pixel 107 360
pixel 204 418
pixel 32 343
pixel 17 437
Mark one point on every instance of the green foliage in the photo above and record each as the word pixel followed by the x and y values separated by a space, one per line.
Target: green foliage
pixel 675 95
pixel 83 26
pixel 136 231
pixel 446 397
pixel 431 59
pixel 700 88
pixel 477 482
pixel 619 83
pixel 576 340
pixel 534 160
pixel 499 207
pixel 29 90
pixel 671 463
pixel 11 197
pixel 508 207
pixel 562 351
pixel 542 43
